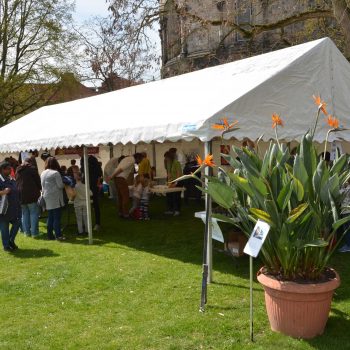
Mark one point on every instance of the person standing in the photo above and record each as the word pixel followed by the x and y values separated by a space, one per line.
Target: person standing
pixel 121 174
pixel 29 187
pixel 145 167
pixel 95 173
pixel 34 155
pixel 174 171
pixel 11 216
pixel 73 170
pixel 79 198
pixel 107 172
pixel 52 191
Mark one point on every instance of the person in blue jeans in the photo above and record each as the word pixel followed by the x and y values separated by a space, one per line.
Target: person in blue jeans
pixel 11 215
pixel 52 191
pixel 29 187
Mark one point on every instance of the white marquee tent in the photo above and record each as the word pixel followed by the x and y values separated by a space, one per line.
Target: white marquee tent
pixel 185 107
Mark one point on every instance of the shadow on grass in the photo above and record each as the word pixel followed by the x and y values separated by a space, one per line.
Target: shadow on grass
pixel 34 253
pixel 179 238
pixel 336 334
pixel 233 285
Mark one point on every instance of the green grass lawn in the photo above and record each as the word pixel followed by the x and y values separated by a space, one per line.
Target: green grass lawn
pixel 138 287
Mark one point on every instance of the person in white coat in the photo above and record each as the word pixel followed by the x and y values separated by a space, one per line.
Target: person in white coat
pixel 52 191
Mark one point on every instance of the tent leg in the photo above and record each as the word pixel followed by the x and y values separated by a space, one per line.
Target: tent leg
pixel 208 149
pixel 111 150
pixel 207 247
pixel 87 193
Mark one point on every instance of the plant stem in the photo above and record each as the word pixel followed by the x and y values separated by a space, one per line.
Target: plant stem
pixel 279 146
pixel 325 144
pixel 316 122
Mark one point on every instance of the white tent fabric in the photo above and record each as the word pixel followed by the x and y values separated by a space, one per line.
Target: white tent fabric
pixel 186 106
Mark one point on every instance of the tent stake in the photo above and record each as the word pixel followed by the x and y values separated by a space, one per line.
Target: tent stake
pixel 87 193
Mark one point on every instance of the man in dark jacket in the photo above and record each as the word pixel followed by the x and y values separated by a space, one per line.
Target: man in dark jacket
pixel 12 213
pixel 29 187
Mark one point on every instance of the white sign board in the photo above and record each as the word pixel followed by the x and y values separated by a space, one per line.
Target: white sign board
pixel 257 239
pixel 215 228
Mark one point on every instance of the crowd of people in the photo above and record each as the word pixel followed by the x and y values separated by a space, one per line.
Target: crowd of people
pixel 25 194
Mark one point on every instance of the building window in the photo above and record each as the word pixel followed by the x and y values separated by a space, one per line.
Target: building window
pixel 244 13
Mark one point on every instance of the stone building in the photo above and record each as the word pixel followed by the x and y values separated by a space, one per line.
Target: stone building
pixel 199 33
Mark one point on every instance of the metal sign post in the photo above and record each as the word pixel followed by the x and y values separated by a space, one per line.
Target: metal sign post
pixel 252 248
pixel 251 298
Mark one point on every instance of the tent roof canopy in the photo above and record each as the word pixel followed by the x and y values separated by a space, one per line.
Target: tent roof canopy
pixel 186 106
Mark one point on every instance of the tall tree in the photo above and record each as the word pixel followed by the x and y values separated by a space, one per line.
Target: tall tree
pixel 113 54
pixel 34 46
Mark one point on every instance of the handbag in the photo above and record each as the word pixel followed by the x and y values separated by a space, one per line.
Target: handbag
pixel 42 203
pixel 4 204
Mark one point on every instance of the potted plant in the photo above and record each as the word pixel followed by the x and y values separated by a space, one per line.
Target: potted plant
pixel 299 197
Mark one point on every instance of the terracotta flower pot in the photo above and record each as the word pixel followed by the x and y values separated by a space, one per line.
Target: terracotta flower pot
pixel 295 309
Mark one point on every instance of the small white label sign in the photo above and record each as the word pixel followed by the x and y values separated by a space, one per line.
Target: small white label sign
pixel 257 238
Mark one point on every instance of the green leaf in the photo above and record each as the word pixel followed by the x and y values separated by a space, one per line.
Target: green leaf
pixel 247 160
pixel 258 184
pixel 338 164
pixel 260 214
pixel 235 164
pixel 318 243
pixel 265 163
pixel 221 193
pixel 284 196
pixel 299 170
pixel 225 218
pixel 298 188
pixel 242 184
pixel 296 212
pixel 273 154
pixel 340 223
pixel 308 154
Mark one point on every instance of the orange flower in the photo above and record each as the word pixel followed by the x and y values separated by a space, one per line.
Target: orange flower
pixel 208 160
pixel 224 125
pixel 276 120
pixel 333 122
pixel 199 160
pixel 320 104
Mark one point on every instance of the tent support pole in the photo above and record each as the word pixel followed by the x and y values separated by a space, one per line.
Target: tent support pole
pixel 208 148
pixel 87 193
pixel 207 247
pixel 154 155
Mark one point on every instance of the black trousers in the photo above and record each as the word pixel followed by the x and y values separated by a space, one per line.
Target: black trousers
pixel 173 201
pixel 96 204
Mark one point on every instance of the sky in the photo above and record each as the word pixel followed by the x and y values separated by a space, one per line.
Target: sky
pixel 87 8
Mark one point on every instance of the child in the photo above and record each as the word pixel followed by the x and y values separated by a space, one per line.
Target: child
pixel 79 198
pixel 144 200
pixel 136 196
